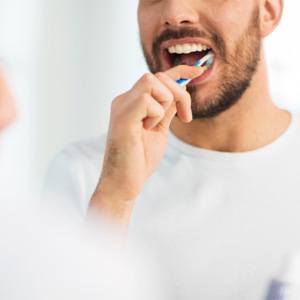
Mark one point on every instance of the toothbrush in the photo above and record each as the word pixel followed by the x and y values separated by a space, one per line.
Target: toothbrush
pixel 206 61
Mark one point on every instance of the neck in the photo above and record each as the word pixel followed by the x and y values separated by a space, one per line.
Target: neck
pixel 253 122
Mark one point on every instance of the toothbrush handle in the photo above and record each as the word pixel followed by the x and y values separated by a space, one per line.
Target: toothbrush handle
pixel 183 81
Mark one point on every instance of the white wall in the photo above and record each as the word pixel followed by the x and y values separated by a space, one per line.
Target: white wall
pixel 89 54
pixel 67 59
pixel 283 48
pixel 19 30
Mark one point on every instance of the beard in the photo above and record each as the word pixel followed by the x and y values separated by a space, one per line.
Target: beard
pixel 236 69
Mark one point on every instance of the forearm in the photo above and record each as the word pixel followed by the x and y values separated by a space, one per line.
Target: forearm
pixel 112 208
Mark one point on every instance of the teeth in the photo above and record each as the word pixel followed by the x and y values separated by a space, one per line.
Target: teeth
pixel 187 48
pixel 172 50
pixel 194 47
pixel 179 49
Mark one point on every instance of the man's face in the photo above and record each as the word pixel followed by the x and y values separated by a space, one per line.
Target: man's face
pixel 228 28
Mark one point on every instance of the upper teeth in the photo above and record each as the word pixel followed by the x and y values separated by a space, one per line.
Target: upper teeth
pixel 187 48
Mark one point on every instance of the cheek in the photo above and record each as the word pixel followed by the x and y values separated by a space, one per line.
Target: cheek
pixel 145 33
pixel 148 21
pixel 230 18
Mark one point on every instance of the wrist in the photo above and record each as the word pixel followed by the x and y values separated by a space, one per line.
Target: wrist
pixel 111 206
pixel 116 189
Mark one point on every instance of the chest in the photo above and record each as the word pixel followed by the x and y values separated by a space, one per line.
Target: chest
pixel 219 235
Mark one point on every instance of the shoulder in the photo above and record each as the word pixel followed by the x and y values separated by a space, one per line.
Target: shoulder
pixel 74 172
pixel 80 159
pixel 90 150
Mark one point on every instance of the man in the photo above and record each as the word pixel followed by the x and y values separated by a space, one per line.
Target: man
pixel 207 175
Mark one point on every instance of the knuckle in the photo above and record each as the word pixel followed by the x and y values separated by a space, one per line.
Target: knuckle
pixel 118 103
pixel 145 99
pixel 169 97
pixel 161 112
pixel 147 78
pixel 183 94
pixel 120 97
pixel 159 109
pixel 184 100
pixel 160 75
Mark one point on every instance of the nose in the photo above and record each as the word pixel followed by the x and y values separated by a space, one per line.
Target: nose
pixel 177 13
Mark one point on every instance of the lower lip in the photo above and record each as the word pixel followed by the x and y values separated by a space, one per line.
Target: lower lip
pixel 204 77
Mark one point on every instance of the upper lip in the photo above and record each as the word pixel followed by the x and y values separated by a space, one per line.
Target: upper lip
pixel 167 44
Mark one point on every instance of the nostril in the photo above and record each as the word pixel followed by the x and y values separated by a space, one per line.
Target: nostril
pixel 170 23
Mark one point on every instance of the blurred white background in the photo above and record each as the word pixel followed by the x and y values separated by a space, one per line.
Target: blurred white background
pixel 67 59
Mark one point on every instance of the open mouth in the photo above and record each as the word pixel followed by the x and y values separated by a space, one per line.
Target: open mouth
pixel 185 54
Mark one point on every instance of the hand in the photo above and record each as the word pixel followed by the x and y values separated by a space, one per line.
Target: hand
pixel 139 123
pixel 7 107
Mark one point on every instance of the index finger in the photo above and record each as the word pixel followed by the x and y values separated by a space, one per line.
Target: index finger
pixel 183 71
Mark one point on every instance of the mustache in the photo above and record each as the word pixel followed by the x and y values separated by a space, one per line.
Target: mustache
pixel 186 32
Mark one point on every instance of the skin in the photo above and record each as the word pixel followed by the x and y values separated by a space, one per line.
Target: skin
pixel 141 117
pixel 7 108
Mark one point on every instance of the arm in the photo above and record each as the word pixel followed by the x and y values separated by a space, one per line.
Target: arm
pixel 136 141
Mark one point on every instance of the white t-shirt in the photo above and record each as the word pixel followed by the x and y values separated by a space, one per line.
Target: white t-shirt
pixel 218 223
